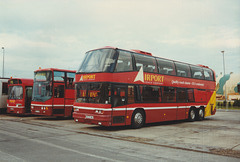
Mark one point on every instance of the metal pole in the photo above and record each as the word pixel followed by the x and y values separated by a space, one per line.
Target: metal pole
pixel 3 63
pixel 226 81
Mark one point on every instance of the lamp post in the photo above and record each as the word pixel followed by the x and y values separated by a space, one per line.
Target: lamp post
pixel 3 62
pixel 226 81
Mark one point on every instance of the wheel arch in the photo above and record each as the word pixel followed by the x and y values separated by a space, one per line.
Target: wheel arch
pixel 136 110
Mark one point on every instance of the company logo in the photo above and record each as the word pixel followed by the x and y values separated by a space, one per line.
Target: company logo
pixel 150 78
pixel 139 76
pixel 153 78
pixel 87 77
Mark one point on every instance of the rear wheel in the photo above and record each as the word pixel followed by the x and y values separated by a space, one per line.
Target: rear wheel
pixel 138 119
pixel 191 115
pixel 200 114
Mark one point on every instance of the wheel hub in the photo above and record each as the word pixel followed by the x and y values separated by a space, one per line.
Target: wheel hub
pixel 138 118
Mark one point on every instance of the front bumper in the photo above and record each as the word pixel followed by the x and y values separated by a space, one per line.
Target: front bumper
pixel 96 119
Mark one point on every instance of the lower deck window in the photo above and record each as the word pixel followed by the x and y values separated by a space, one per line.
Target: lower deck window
pixel 148 94
pixel 93 93
pixel 169 94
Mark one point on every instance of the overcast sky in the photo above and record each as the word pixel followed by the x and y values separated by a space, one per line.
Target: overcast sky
pixel 57 33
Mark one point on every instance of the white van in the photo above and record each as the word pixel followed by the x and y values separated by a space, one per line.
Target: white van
pixel 3 94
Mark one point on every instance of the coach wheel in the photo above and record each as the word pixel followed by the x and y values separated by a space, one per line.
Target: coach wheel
pixel 138 119
pixel 200 114
pixel 192 114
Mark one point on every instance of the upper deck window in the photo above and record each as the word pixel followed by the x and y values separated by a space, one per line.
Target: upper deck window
pixel 124 62
pixel 208 74
pixel 147 62
pixel 183 70
pixel 166 67
pixel 101 60
pixel 197 72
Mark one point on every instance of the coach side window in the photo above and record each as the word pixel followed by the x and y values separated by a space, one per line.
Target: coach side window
pixel 4 88
pixel 148 94
pixel 130 94
pixel 169 94
pixel 197 72
pixel 190 95
pixel 70 79
pixel 183 70
pixel 166 67
pixel 124 62
pixel 181 95
pixel 208 74
pixel 148 63
pixel 59 76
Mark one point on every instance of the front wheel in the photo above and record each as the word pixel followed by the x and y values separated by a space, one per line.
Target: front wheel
pixel 138 119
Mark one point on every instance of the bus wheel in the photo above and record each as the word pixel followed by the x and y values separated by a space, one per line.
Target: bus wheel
pixel 200 114
pixel 138 119
pixel 191 115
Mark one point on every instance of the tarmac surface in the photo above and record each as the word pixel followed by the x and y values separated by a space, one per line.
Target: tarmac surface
pixel 215 137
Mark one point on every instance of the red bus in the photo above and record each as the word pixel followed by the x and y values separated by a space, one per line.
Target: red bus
pixel 19 96
pixel 3 94
pixel 53 92
pixel 116 87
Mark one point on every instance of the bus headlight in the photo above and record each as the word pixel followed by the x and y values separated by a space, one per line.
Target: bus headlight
pixel 99 111
pixel 76 109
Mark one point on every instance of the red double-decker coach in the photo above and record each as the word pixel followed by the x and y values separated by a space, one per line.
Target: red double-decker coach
pixel 19 95
pixel 53 92
pixel 131 87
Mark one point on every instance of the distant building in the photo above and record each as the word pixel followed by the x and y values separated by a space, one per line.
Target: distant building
pixel 232 83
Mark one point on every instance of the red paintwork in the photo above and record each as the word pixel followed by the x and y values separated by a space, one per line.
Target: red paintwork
pixel 173 81
pixel 155 112
pixel 64 105
pixel 17 106
pixel 55 69
pixel 142 52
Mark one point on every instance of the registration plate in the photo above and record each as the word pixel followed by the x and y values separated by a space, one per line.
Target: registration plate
pixel 37 111
pixel 89 117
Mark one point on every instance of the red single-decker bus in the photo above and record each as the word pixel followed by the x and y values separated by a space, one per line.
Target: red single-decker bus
pixel 19 96
pixel 53 92
pixel 116 87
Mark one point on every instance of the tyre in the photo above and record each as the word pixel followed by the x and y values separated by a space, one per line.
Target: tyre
pixel 192 115
pixel 200 114
pixel 138 119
